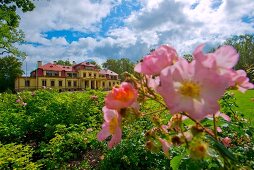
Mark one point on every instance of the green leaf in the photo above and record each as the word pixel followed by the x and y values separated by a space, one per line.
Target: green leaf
pixel 175 162
pixel 222 149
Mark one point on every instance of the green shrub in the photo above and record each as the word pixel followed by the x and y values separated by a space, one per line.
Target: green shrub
pixel 69 147
pixel 131 152
pixel 44 109
pixel 16 156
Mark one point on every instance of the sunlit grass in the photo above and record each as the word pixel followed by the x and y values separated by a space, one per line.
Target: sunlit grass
pixel 245 102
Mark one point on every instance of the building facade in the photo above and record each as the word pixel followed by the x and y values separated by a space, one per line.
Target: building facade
pixel 68 78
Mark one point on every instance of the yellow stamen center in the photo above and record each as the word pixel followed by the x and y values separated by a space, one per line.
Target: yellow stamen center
pixel 112 125
pixel 190 89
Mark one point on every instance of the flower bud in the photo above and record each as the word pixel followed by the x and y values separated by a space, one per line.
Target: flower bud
pixel 176 140
pixel 196 130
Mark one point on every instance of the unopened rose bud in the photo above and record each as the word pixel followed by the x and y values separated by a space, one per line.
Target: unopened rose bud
pixel 196 129
pixel 176 140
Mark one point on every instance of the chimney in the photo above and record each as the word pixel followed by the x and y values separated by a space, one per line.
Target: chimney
pixel 54 62
pixel 73 63
pixel 39 63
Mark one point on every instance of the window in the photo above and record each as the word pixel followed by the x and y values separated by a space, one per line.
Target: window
pixel 69 74
pixel 60 83
pixel 95 75
pixel 27 83
pixel 52 83
pixel 88 68
pixel 109 84
pixel 90 74
pixel 103 84
pixel 52 73
pixel 84 74
pixel 69 83
pixel 75 83
pixel 44 83
pixel 74 75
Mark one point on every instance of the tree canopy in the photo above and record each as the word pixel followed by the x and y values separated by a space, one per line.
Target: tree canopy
pixel 10 34
pixel 9 26
pixel 65 63
pixel 119 66
pixel 10 68
pixel 244 44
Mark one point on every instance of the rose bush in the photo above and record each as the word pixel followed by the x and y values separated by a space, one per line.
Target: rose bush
pixel 189 91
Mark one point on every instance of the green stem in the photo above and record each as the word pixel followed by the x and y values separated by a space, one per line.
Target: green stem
pixel 198 123
pixel 215 127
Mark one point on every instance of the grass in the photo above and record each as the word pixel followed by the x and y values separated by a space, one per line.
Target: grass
pixel 245 102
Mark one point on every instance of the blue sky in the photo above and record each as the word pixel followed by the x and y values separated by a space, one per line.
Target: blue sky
pixel 101 29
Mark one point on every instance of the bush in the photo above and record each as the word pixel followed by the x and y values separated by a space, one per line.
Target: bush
pixel 131 152
pixel 69 147
pixel 16 156
pixel 33 116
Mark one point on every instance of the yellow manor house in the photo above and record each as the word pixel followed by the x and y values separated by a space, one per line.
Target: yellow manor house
pixel 68 78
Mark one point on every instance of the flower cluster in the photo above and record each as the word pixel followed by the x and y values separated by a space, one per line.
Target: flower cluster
pixel 185 89
pixel 118 99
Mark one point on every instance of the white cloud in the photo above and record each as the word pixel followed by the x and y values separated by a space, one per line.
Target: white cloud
pixel 157 22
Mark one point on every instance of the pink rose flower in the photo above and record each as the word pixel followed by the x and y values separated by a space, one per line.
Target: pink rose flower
pixel 165 146
pixel 242 81
pixel 192 88
pixel 121 97
pixel 111 126
pixel 153 63
pixel 226 141
pixel 18 100
pixel 225 57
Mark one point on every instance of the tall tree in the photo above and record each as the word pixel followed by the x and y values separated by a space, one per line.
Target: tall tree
pixel 94 63
pixel 10 68
pixel 244 44
pixel 65 63
pixel 119 66
pixel 10 33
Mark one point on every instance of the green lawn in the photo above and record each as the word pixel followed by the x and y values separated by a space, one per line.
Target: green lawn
pixel 245 101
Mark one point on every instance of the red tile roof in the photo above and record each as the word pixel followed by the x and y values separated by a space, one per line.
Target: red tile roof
pixel 85 64
pixel 109 72
pixel 66 68
pixel 56 67
pixel 51 67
